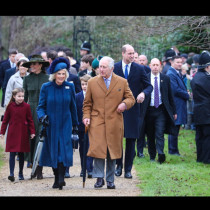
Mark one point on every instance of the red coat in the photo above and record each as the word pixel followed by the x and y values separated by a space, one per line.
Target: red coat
pixel 21 125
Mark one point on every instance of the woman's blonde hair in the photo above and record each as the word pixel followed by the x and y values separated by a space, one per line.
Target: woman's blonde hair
pixel 52 76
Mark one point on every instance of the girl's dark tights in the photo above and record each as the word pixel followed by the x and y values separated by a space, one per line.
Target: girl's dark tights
pixel 12 162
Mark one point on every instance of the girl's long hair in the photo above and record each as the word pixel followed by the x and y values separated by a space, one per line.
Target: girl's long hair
pixel 14 93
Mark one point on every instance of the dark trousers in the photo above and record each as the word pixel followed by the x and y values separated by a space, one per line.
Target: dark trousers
pixel 12 162
pixel 155 122
pixel 202 138
pixel 129 155
pixel 89 162
pixel 141 140
pixel 173 141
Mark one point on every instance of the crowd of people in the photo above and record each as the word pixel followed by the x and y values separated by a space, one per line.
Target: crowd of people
pixel 133 99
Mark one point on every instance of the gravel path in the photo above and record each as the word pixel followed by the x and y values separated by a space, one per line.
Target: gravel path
pixel 74 187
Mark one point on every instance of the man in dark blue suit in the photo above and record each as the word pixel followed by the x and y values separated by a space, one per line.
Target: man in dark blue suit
pixel 10 63
pixel 180 98
pixel 140 87
pixel 81 127
pixel 159 110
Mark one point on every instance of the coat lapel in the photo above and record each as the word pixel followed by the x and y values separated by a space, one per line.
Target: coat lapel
pixel 113 83
pixel 102 83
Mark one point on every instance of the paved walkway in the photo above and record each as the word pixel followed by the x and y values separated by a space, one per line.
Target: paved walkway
pixel 74 185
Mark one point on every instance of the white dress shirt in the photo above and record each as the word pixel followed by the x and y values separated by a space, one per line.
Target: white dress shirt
pixel 153 84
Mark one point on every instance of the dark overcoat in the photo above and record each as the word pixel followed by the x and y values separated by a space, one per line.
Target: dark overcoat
pixel 21 125
pixel 58 103
pixel 180 94
pixel 79 105
pixel 201 95
pixel 32 85
pixel 167 101
pixel 138 82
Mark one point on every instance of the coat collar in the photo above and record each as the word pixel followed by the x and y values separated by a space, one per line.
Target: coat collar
pixel 112 84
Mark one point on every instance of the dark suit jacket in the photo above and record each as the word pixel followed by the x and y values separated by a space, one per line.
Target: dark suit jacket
pixel 76 82
pixel 138 82
pixel 201 95
pixel 167 100
pixel 4 66
pixel 79 105
pixel 8 74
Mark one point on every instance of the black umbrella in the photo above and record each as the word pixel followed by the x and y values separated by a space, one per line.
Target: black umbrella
pixel 42 136
pixel 85 155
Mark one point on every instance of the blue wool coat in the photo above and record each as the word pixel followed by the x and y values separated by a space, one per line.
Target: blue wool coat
pixel 58 102
pixel 180 96
pixel 138 82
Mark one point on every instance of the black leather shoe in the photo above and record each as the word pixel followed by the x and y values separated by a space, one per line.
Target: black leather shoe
pixel 110 185
pixel 141 155
pixel 161 158
pixel 118 171
pixel 11 178
pixel 128 175
pixel 99 183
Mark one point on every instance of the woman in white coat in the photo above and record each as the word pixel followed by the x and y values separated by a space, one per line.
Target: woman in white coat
pixel 16 80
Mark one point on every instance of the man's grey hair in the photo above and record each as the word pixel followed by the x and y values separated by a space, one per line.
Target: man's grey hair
pixel 110 61
pixel 18 56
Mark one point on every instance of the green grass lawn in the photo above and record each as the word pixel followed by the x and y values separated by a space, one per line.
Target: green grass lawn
pixel 177 176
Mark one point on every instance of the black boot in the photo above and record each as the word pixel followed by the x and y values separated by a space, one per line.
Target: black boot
pixel 56 184
pixel 61 174
pixel 39 172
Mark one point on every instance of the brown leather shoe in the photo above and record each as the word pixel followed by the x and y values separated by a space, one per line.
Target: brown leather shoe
pixel 110 185
pixel 99 183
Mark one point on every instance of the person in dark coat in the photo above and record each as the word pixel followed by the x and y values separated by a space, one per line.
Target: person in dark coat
pixel 75 79
pixel 168 56
pixel 160 111
pixel 81 127
pixel 140 87
pixel 180 98
pixel 32 84
pixel 57 101
pixel 10 63
pixel 201 95
pixel 19 118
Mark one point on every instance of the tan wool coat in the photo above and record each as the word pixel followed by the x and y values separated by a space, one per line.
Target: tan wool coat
pixel 106 128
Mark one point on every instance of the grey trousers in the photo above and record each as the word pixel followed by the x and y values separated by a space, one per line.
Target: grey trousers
pixel 99 166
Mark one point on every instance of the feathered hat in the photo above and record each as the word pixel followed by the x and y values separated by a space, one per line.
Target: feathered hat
pixel 58 64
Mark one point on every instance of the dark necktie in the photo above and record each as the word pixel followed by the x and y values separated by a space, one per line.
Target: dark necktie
pixel 126 71
pixel 156 94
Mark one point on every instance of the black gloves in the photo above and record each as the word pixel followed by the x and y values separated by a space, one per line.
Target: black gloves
pixel 44 120
pixel 75 130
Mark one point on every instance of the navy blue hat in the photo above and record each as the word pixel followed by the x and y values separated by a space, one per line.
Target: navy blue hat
pixel 86 46
pixel 58 64
pixel 204 60
pixel 169 54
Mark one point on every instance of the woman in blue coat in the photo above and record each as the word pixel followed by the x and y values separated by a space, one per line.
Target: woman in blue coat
pixel 57 101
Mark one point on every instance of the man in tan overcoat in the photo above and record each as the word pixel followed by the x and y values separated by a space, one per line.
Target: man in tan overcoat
pixel 107 97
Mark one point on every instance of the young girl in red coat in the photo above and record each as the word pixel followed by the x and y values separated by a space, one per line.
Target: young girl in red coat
pixel 21 125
